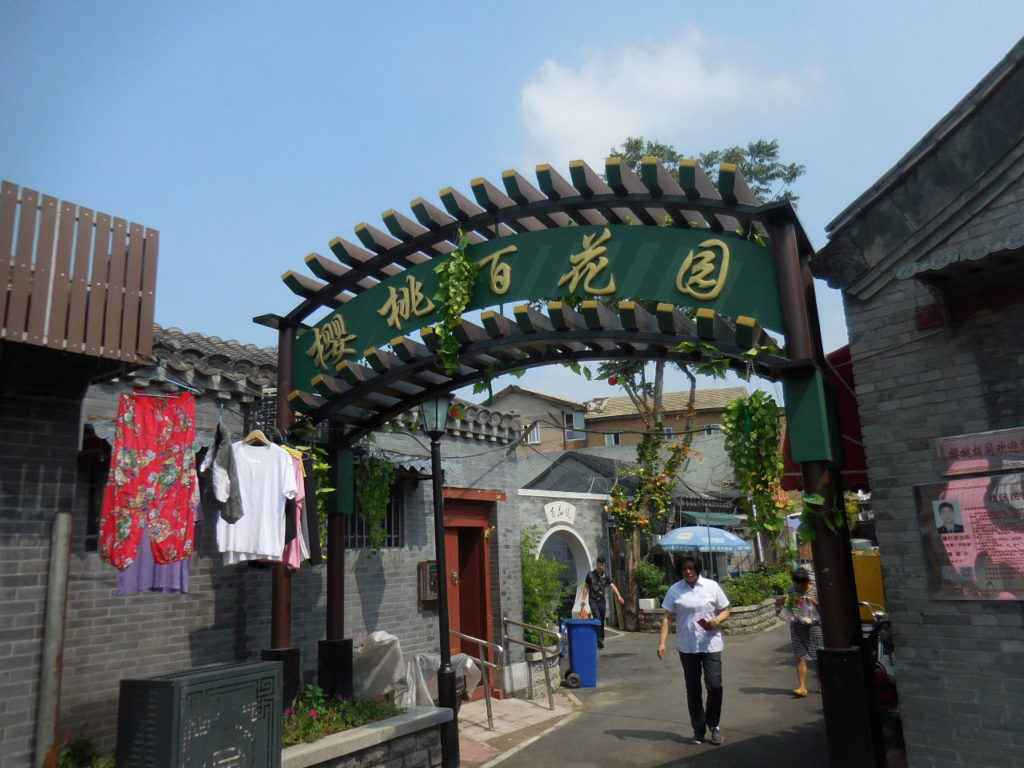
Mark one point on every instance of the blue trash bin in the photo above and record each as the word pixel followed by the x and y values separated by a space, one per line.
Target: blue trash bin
pixel 581 637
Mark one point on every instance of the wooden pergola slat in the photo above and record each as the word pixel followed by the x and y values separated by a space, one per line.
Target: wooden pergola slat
pixel 623 181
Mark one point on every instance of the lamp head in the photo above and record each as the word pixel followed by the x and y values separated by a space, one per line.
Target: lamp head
pixel 435 415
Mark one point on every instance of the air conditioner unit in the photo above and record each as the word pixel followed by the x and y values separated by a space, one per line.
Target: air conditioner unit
pixel 226 716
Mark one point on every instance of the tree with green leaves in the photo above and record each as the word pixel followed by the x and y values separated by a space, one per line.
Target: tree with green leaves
pixel 770 179
pixel 657 461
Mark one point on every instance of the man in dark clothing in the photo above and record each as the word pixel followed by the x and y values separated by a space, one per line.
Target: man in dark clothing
pixel 593 595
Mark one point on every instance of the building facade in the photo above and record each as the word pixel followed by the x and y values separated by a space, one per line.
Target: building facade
pixel 549 423
pixel 930 260
pixel 615 421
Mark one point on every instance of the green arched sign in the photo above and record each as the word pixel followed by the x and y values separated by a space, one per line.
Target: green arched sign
pixel 683 267
pixel 587 236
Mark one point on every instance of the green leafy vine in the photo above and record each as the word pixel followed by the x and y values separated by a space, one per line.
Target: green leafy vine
pixel 815 509
pixel 322 473
pixel 711 362
pixel 374 476
pixel 753 442
pixel 457 274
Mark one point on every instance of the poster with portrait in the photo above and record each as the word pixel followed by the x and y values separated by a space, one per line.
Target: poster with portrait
pixel 973 533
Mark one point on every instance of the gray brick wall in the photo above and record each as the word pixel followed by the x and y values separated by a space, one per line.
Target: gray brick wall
pixel 960 664
pixel 40 395
pixel 225 617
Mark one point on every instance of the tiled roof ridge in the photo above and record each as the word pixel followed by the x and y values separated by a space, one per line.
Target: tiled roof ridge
pixel 622 405
pixel 514 388
pixel 224 369
pixel 175 336
pixel 477 423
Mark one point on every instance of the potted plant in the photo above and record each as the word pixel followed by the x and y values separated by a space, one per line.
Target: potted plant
pixel 650 581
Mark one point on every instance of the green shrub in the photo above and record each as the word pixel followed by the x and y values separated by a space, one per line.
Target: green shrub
pixel 751 588
pixel 542 590
pixel 77 752
pixel 81 752
pixel 650 580
pixel 778 577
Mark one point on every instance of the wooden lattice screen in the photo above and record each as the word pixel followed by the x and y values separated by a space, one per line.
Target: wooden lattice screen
pixel 76 280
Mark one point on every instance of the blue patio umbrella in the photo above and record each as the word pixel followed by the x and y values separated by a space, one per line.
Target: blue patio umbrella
pixel 702 538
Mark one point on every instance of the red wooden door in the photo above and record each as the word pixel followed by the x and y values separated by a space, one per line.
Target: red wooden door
pixel 451 556
pixel 468 576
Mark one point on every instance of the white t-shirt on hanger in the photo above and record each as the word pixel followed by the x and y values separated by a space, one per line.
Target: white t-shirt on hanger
pixel 266 480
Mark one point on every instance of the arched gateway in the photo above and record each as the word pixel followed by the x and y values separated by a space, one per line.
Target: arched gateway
pixel 348 356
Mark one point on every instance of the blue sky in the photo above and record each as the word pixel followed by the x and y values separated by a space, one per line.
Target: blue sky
pixel 251 134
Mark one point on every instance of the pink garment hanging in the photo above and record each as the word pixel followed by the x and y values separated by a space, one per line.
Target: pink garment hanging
pixel 293 549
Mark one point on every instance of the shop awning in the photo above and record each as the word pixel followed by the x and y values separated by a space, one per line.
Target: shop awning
pixel 717 519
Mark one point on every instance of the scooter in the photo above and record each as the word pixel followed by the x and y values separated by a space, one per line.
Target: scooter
pixel 878 645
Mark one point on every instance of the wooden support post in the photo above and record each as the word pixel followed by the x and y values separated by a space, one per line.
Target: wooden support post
pixel 852 732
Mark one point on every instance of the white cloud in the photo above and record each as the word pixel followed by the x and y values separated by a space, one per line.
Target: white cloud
pixel 676 92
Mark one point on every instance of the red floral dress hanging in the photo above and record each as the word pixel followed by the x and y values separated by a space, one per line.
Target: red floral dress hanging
pixel 152 480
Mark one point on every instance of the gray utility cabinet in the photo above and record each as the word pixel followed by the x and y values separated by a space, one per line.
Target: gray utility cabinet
pixel 224 716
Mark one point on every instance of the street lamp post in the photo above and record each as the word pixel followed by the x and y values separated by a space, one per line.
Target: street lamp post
pixel 435 420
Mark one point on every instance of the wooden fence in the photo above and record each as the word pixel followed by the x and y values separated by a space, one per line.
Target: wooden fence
pixel 76 280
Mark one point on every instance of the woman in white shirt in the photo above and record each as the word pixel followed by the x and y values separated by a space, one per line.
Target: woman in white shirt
pixel 698 606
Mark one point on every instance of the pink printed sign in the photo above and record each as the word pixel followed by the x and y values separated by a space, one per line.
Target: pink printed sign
pixel 973 531
pixel 981 452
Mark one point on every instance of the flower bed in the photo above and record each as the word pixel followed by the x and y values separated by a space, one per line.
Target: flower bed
pixel 316 715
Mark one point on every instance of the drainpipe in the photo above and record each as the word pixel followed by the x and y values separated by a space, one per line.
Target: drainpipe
pixel 53 642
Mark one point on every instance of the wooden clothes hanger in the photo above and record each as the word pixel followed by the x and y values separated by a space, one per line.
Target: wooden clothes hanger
pixel 256 437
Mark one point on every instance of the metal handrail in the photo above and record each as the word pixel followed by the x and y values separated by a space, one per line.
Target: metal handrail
pixel 485 664
pixel 543 651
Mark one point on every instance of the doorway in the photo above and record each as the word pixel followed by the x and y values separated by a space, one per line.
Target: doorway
pixel 466 525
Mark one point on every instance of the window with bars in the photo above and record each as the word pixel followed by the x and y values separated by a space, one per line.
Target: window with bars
pixel 357 532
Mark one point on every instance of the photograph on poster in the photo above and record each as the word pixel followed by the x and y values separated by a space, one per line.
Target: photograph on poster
pixel 972 529
pixel 947 516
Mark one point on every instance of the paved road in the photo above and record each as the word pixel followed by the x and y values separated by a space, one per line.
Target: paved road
pixel 636 716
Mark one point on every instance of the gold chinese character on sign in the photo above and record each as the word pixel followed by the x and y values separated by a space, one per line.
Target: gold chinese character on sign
pixel 701 276
pixel 501 274
pixel 588 264
pixel 330 343
pixel 405 302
